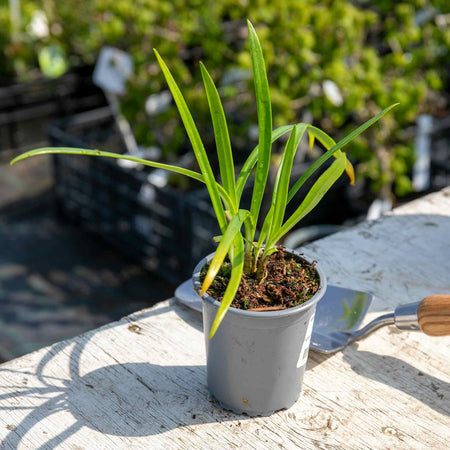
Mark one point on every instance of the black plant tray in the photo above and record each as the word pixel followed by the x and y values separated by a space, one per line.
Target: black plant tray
pixel 120 205
pixel 26 109
pixel 168 231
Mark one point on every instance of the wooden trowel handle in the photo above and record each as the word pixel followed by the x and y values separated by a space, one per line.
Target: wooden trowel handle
pixel 433 314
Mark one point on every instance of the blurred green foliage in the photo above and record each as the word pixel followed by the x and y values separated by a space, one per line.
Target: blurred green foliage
pixel 375 53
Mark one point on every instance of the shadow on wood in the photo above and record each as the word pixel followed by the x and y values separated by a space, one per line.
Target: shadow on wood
pixel 401 376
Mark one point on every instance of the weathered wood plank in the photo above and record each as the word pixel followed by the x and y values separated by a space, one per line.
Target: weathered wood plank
pixel 401 258
pixel 140 382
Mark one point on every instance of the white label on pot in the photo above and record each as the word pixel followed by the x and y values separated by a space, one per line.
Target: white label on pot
pixel 304 352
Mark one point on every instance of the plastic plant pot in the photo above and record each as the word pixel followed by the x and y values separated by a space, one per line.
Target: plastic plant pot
pixel 256 360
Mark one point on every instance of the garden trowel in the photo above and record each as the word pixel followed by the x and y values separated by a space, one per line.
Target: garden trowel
pixel 341 311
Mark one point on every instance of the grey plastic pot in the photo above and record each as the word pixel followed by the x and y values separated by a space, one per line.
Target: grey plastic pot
pixel 256 360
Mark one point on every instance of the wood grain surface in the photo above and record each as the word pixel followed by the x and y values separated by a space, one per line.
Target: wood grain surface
pixel 140 382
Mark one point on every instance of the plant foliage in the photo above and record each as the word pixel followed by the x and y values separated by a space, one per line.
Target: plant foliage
pixel 240 246
pixel 375 52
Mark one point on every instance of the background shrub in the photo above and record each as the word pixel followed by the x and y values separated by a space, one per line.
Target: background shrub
pixel 333 63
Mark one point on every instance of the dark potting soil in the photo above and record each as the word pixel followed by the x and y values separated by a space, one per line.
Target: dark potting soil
pixel 290 281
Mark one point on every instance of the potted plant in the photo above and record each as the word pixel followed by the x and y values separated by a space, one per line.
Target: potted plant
pixel 257 351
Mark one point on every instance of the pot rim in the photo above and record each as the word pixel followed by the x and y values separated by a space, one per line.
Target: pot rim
pixel 266 314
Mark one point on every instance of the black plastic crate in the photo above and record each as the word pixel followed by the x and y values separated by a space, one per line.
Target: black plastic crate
pixel 26 109
pixel 121 205
pixel 166 230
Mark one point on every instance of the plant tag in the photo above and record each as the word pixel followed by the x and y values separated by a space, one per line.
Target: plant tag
pixel 112 70
pixel 333 93
pixel 304 352
pixel 422 149
pixel 378 207
pixel 158 103
pixel 158 177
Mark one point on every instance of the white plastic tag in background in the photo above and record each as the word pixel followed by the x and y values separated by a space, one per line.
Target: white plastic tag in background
pixel 379 207
pixel 422 148
pixel 112 70
pixel 158 103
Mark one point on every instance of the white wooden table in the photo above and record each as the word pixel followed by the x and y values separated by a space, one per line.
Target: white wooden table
pixel 140 382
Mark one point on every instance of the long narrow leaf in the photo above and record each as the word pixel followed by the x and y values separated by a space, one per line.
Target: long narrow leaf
pixel 321 136
pixel 334 149
pixel 197 144
pixel 85 152
pixel 264 109
pixel 262 236
pixel 281 186
pixel 234 227
pixel 251 160
pixel 221 136
pixel 328 142
pixel 311 141
pixel 253 157
pixel 276 134
pixel 315 194
pixel 233 284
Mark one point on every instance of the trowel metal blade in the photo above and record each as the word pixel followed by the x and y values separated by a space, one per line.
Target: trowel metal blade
pixel 339 312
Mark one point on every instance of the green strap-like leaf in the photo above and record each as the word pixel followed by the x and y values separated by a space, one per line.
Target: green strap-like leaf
pixel 315 194
pixel 328 142
pixel 311 141
pixel 264 109
pixel 85 152
pixel 253 157
pixel 262 236
pixel 281 186
pixel 321 136
pixel 234 227
pixel 233 284
pixel 335 148
pixel 251 160
pixel 242 179
pixel 197 144
pixel 221 136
